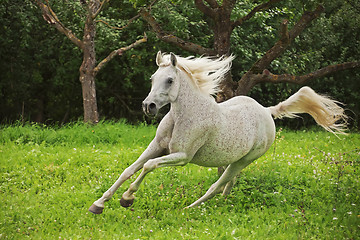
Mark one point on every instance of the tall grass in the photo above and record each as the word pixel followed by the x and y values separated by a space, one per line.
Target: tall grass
pixel 77 133
pixel 305 187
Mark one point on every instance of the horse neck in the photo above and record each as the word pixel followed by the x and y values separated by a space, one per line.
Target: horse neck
pixel 190 100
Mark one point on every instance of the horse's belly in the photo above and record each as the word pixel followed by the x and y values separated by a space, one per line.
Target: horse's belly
pixel 215 157
pixel 210 160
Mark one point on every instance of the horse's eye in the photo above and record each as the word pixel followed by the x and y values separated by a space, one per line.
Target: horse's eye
pixel 170 81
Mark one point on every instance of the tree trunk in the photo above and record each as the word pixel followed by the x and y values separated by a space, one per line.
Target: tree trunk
pixel 222 31
pixel 89 98
pixel 222 47
pixel 87 76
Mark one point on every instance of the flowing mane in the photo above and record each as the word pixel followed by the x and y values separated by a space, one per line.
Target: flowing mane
pixel 205 72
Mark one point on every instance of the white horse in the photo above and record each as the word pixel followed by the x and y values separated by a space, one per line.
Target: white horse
pixel 198 130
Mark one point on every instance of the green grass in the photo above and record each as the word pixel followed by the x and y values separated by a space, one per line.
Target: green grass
pixel 305 187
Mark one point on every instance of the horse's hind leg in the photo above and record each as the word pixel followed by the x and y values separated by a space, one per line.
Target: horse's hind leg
pixel 228 176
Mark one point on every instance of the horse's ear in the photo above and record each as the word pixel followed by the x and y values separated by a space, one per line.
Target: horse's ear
pixel 173 59
pixel 158 58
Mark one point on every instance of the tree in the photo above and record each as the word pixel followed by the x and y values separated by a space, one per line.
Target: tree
pixel 38 81
pixel 89 67
pixel 222 21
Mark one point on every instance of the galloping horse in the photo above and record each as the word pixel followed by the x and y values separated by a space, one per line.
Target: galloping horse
pixel 198 130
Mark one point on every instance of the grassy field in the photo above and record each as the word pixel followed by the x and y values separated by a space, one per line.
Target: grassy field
pixel 306 187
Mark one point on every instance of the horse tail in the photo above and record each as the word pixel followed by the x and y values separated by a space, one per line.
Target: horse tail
pixel 326 112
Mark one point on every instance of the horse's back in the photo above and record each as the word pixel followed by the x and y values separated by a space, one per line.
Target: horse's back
pixel 249 116
pixel 245 109
pixel 241 101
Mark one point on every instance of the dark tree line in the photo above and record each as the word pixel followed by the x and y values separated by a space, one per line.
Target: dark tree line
pixel 48 46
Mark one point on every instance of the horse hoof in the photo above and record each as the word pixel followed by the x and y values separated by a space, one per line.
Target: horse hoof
pixel 126 203
pixel 95 209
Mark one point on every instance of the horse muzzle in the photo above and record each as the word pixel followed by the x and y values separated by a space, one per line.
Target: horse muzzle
pixel 149 108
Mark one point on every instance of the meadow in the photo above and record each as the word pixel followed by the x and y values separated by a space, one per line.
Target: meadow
pixel 305 187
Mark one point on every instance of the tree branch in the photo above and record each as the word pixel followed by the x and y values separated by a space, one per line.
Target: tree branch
pixel 250 79
pixel 102 4
pixel 51 18
pixel 285 39
pixel 119 51
pixel 129 21
pixel 258 8
pixel 112 27
pixel 118 28
pixel 170 38
pixel 284 32
pixel 304 21
pixel 267 76
pixel 205 9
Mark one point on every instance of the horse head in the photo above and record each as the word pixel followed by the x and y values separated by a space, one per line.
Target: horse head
pixel 165 85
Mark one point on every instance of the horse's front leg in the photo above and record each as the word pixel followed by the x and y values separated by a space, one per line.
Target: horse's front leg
pixel 153 150
pixel 174 159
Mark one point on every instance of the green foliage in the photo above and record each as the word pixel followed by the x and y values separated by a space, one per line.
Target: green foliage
pixel 183 20
pixel 39 67
pixel 306 186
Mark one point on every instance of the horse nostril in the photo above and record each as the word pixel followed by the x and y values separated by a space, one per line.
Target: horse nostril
pixel 152 106
pixel 149 108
